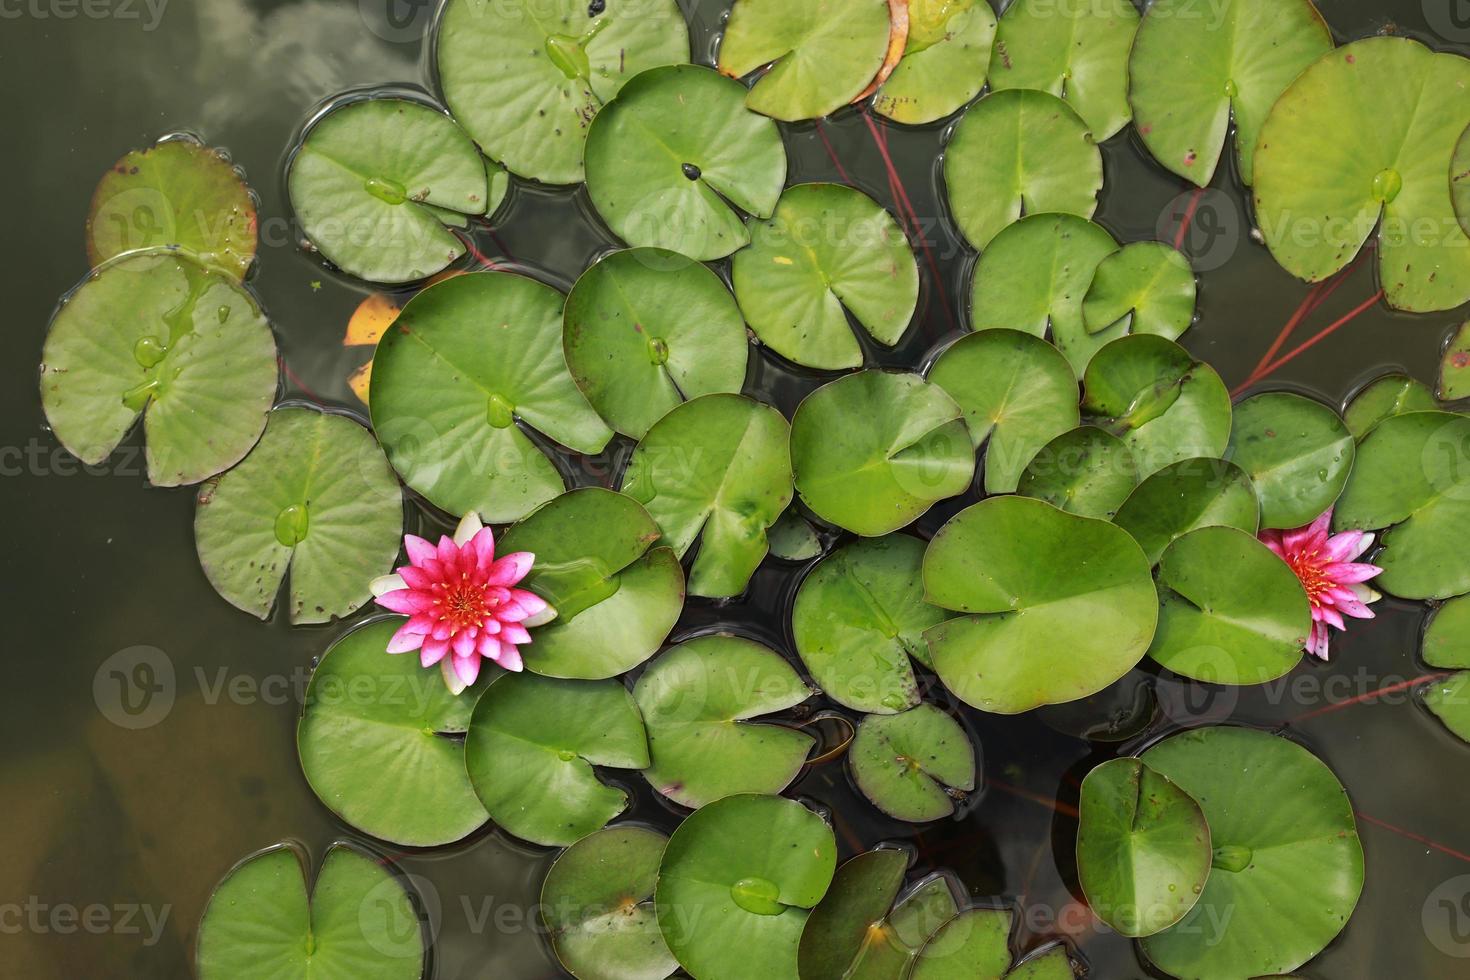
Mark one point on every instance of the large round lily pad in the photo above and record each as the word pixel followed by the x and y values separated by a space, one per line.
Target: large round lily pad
pixel 1186 495
pixel 1150 283
pixel 157 334
pixel 669 156
pixel 1297 453
pixel 845 927
pixel 646 328
pixel 1056 606
pixel 907 764
pixel 945 60
pixel 1085 471
pixel 468 362
pixel 1384 397
pixel 1286 875
pixel 828 252
pixel 873 451
pixel 315 495
pixel 696 698
pixel 736 885
pixel 527 81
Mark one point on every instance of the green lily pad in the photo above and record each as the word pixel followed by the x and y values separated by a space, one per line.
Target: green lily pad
pixel 1085 471
pixel 1019 152
pixel 1078 51
pixel 156 334
pixel 904 763
pixel 1385 397
pixel 1193 68
pixel 526 83
pixel 827 252
pixel 858 618
pixel 1057 606
pixel 695 699
pixel 1351 139
pixel 370 183
pixel 792 537
pixel 598 905
pixel 468 362
pixel 1454 369
pixel 847 923
pixel 973 945
pixel 1447 637
pixel 315 495
pixel 616 596
pixel 736 885
pixel 1165 405
pixel 378 747
pixel 357 920
pixel 944 63
pixel 716 469
pixel 1184 496
pixel 1048 963
pixel 1017 393
pixel 1449 701
pixel 1412 477
pixel 822 56
pixel 1149 283
pixel 644 329
pixel 177 193
pixel 669 156
pixel 1286 875
pixel 530 750
pixel 891 944
pixel 873 451
pixel 1297 453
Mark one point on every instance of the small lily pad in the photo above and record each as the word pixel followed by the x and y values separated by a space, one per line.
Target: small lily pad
pixel 644 329
pixel 792 537
pixel 1149 283
pixel 718 470
pixel 1019 152
pixel 468 362
pixel 157 334
pixel 905 764
pixel 846 924
pixel 973 945
pixel 1385 397
pixel 315 495
pixel 1454 368
pixel 1449 701
pixel 669 157
pixel 827 252
pixel 873 451
pixel 1184 496
pixel 1085 471
pixel 1447 637
pixel 944 63
pixel 1051 962
pixel 696 698
pixel 1017 393
pixel 1297 453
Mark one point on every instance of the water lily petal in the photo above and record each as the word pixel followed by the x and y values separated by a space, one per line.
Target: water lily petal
pixel 514 633
pixel 510 657
pixel 510 569
pixel 1272 540
pixel 1346 573
pixel 1344 546
pixel 405 639
pixel 452 680
pixel 1317 642
pixel 416 578
pixel 1364 593
pixel 483 546
pixel 1332 616
pixel 428 658
pixel 421 623
pixel 443 630
pixel 541 618
pixel 418 549
pixel 448 552
pixel 463 643
pixel 469 525
pixel 387 583
pixel 435 649
pixel 468 668
pixel 405 601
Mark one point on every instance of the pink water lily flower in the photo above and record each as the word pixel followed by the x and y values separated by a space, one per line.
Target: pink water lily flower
pixel 1335 583
pixel 461 603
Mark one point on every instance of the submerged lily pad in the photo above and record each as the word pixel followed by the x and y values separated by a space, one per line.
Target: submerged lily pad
pixel 646 328
pixel 527 82
pixel 1454 368
pixel 1195 67
pixel 792 537
pixel 828 251
pixel 822 56
pixel 973 945
pixel 616 595
pixel 674 153
pixel 944 64
pixel 1310 864
pixel 156 334
pixel 315 495
pixel 1447 637
pixel 358 919
pixel 873 451
pixel 905 763
pixel 1189 494
pixel 736 885
pixel 1019 152
pixel 1297 453
pixel 1150 283
pixel 1368 130
pixel 716 469
pixel 1385 397
pixel 695 699
pixel 468 362
pixel 847 924
pixel 1085 471
pixel 1056 606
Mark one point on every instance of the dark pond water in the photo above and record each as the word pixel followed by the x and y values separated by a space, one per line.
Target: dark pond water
pixel 117 824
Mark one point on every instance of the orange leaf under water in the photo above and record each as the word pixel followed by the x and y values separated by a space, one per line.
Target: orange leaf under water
pixel 898 39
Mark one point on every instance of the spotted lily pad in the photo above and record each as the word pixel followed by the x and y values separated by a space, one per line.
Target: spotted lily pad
pixel 615 594
pixel 827 252
pixel 696 698
pixel 1454 368
pixel 1385 397
pixel 1085 471
pixel 646 328
pixel 358 919
pixel 1285 877
pixel 1149 283
pixel 315 495
pixel 718 470
pixel 1056 606
pixel 1017 393
pixel 822 56
pixel 1297 453
pixel 378 742
pixel 847 925
pixel 1195 66
pixel 668 158
pixel 906 764
pixel 945 61
pixel 156 334
pixel 468 362
pixel 1184 496
pixel 1447 637
pixel 873 451
pixel 1367 130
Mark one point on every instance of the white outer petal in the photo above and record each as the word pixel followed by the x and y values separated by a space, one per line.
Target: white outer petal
pixel 469 526
pixel 1365 594
pixel 1363 546
pixel 452 680
pixel 540 619
pixel 384 584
